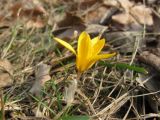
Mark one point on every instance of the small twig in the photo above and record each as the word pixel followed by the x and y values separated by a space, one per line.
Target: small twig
pixel 118 103
pixel 137 42
pixel 125 117
pixel 87 100
pixel 151 115
pixel 147 94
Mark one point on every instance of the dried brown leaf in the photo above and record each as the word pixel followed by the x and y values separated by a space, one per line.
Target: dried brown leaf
pixel 6 66
pixel 15 9
pixel 37 23
pixel 70 20
pixel 126 4
pixel 5 80
pixel 95 15
pixel 68 25
pixel 28 12
pixel 142 14
pixel 42 76
pixel 6 71
pixel 112 3
pixel 70 91
pixel 124 18
pixel 85 4
pixel 134 15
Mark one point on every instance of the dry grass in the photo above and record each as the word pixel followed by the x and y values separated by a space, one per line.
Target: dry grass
pixel 103 93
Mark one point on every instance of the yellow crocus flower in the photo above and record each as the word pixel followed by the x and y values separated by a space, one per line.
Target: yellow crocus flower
pixel 87 51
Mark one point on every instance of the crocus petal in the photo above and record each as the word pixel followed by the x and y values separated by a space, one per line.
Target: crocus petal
pixel 104 56
pixel 90 64
pixel 84 50
pixel 98 57
pixel 98 46
pixel 65 44
pixel 84 44
pixel 95 40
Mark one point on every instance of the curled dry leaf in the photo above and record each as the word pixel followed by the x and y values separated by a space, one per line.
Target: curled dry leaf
pixel 6 71
pixel 112 3
pixel 28 12
pixel 142 14
pixel 124 18
pixel 42 76
pixel 5 65
pixel 68 25
pixel 126 4
pixel 134 14
pixel 94 16
pixel 27 9
pixel 70 90
pixel 37 23
pixel 70 20
pixel 5 80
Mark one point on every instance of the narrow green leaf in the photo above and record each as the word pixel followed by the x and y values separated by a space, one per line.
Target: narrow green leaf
pixel 80 117
pixel 124 66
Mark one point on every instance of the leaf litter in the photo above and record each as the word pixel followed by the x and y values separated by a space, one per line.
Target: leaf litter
pixel 35 70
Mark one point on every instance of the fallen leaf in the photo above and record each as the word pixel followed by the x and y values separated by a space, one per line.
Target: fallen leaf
pixel 124 18
pixel 134 15
pixel 87 4
pixel 33 12
pixel 41 76
pixel 6 71
pixel 5 66
pixel 70 20
pixel 5 80
pixel 35 23
pixel 142 14
pixel 95 15
pixel 70 91
pixel 68 25
pixel 111 3
pixel 16 9
pixel 29 13
pixel 126 4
